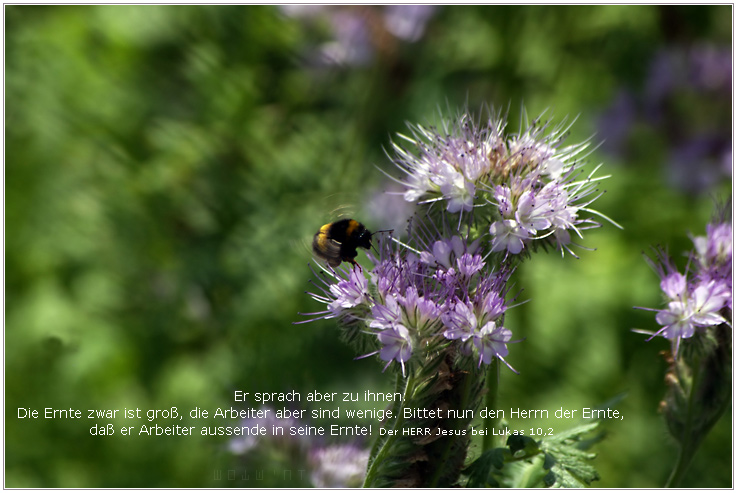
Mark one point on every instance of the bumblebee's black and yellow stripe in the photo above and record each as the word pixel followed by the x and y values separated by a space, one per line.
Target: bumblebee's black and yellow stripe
pixel 337 242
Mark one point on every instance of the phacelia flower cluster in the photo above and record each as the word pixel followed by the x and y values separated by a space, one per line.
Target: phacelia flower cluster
pixel 418 301
pixel 433 306
pixel 527 186
pixel 701 298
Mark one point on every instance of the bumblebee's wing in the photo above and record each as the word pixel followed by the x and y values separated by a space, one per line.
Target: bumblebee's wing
pixel 327 249
pixel 340 205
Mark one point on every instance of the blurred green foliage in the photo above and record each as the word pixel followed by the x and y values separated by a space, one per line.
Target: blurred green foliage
pixel 166 167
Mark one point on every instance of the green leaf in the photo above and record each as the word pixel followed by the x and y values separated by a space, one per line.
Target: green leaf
pixel 479 471
pixel 549 461
pixel 567 459
pixel 530 473
pixel 524 443
pixel 549 479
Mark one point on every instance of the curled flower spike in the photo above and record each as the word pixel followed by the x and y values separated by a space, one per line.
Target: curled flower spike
pixel 417 304
pixel 697 300
pixel 526 183
pixel 697 321
pixel 448 164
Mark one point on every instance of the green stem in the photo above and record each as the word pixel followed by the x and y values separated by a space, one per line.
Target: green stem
pixel 399 386
pixel 679 471
pixel 492 386
pixel 688 446
pixel 447 451
pixel 378 456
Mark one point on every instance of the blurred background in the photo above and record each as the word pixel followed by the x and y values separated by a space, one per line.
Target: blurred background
pixel 166 167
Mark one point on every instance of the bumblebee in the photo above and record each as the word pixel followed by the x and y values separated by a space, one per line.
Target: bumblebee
pixel 337 242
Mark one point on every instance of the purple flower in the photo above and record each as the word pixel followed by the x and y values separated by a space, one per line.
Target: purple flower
pixel 491 305
pixel 386 315
pixel 349 293
pixel 706 302
pixel 457 190
pixel 674 285
pixel 397 345
pixel 716 247
pixel 713 256
pixel 417 302
pixel 676 320
pixel 534 210
pixel 476 324
pixel 508 235
pixel 698 309
pixel 395 339
pixel 525 185
pixel 422 297
pixel 468 264
pixel 698 299
pixel 347 298
pixel 448 164
pixel 503 200
pixel 387 275
pixel 526 151
pixel 445 252
pixel 421 312
pixel 491 342
pixel 460 322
